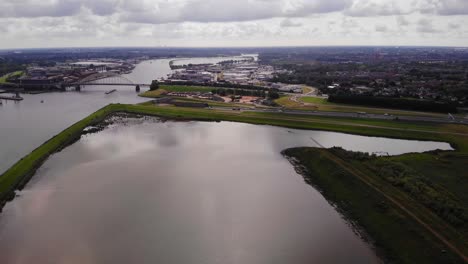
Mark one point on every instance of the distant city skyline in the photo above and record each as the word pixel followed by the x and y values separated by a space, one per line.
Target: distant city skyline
pixel 241 23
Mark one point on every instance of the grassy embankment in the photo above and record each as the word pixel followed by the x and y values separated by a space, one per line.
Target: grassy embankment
pixel 389 229
pixel 3 79
pixel 320 104
pixel 18 175
pixel 414 206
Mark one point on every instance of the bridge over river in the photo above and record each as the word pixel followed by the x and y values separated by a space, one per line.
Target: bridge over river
pixel 107 78
pixel 98 79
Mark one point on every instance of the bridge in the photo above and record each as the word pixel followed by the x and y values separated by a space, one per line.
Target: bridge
pixel 98 79
pixel 107 79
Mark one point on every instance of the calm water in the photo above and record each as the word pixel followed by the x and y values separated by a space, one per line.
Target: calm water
pixel 142 191
pixel 27 124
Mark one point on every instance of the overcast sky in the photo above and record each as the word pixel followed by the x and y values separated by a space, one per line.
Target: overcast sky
pixel 207 23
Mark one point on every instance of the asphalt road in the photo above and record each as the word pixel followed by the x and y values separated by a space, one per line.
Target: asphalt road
pixel 446 120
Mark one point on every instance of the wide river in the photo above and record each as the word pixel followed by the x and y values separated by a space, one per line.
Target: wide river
pixel 146 191
pixel 27 124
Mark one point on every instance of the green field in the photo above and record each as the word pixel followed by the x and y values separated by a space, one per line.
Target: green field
pixel 3 79
pixel 314 100
pixel 154 94
pixel 320 104
pixel 176 88
pixel 438 176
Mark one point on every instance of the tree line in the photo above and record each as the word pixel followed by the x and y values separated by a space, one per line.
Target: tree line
pixel 397 103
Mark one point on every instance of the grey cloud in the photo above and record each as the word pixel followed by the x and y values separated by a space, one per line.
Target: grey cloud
pixel 425 26
pixel 453 26
pixel 443 7
pixel 318 7
pixel 452 7
pixel 56 8
pixel 381 28
pixel 348 23
pixel 173 11
pixel 235 11
pixel 229 11
pixel 402 21
pixel 176 11
pixel 289 23
pixel 367 8
pixel 30 8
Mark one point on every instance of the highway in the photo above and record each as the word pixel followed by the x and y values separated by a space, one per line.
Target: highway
pixel 442 120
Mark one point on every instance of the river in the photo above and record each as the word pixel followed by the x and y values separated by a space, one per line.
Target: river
pixel 145 191
pixel 27 124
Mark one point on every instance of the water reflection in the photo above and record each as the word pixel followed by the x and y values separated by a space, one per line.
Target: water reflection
pixel 27 124
pixel 182 192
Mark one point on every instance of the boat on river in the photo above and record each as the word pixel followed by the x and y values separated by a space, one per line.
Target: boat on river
pixel 111 91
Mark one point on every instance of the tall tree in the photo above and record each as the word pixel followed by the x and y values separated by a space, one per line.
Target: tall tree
pixel 154 85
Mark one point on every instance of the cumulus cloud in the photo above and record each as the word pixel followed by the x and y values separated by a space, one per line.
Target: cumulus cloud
pixel 165 11
pixel 290 23
pixel 365 8
pixel 381 28
pixel 402 21
pixel 232 21
pixel 425 25
pixel 442 7
pixel 452 25
pixel 229 11
pixel 451 7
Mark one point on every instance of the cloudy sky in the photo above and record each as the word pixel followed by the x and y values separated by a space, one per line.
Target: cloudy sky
pixel 207 23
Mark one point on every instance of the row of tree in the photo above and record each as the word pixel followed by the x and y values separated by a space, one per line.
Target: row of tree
pixel 397 103
pixel 272 95
pixel 220 84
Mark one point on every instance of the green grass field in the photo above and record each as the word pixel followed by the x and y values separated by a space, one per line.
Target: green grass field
pixel 163 89
pixel 176 88
pixel 314 100
pixel 320 104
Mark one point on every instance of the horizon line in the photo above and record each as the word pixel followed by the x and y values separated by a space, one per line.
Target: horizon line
pixel 235 47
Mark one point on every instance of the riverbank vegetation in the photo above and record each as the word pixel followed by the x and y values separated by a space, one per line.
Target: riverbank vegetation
pixel 431 186
pixel 402 212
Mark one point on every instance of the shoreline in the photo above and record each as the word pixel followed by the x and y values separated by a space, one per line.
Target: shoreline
pixel 17 176
pixel 396 235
